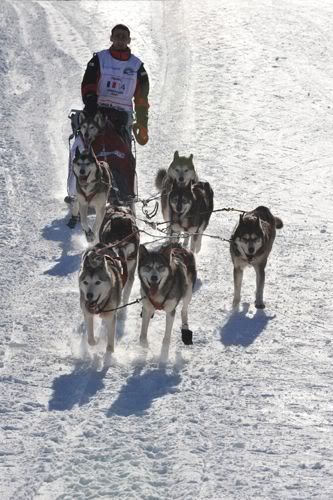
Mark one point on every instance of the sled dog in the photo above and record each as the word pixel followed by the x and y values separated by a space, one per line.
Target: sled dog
pixel 189 209
pixel 100 283
pixel 250 245
pixel 85 130
pixel 93 184
pixel 90 126
pixel 180 170
pixel 167 275
pixel 119 229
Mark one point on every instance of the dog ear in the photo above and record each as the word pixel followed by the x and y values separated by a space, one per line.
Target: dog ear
pixel 241 217
pixel 191 158
pixel 100 119
pixel 143 252
pixel 77 153
pixel 260 224
pixel 81 118
pixel 176 155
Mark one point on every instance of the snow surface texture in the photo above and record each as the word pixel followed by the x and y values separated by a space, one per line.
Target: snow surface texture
pixel 246 412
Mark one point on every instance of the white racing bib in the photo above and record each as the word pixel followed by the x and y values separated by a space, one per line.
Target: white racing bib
pixel 117 81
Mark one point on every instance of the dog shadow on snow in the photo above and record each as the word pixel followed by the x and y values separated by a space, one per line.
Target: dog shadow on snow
pixel 76 388
pixel 241 329
pixel 142 388
pixel 66 263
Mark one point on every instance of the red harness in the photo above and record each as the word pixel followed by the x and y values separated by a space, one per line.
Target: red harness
pixel 89 197
pixel 157 305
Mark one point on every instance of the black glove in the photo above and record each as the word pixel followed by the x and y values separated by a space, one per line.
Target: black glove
pixel 90 107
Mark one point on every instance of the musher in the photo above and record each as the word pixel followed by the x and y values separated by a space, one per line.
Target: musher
pixel 113 78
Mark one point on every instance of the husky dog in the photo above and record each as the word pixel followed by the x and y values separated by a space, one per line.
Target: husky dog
pixel 189 209
pixel 93 184
pixel 100 283
pixel 119 229
pixel 85 129
pixel 180 170
pixel 167 276
pixel 251 244
pixel 90 126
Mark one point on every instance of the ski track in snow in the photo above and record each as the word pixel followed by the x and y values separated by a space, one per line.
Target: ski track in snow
pixel 246 412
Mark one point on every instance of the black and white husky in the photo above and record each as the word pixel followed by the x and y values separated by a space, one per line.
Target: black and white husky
pixel 85 130
pixel 90 127
pixel 188 210
pixel 100 283
pixel 167 276
pixel 93 185
pixel 250 245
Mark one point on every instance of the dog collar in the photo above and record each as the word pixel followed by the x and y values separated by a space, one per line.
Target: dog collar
pixel 99 309
pixel 158 305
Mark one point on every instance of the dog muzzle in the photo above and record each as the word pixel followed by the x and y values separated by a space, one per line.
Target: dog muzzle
pixel 93 306
pixel 153 288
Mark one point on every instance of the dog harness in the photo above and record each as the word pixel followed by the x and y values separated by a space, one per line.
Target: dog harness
pixel 183 255
pixel 100 166
pixel 160 305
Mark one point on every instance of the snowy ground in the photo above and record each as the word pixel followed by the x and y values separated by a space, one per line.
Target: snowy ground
pixel 247 411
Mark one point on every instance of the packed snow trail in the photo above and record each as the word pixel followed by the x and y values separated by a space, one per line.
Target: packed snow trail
pixel 246 412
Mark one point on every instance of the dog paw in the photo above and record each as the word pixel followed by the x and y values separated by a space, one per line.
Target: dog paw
pixel 107 359
pixel 90 236
pixel 91 341
pixel 144 343
pixel 187 336
pixel 235 303
pixel 73 221
pixel 259 305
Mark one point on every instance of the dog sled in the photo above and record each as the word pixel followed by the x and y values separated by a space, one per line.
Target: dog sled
pixel 108 145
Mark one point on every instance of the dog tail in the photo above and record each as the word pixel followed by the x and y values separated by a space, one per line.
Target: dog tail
pixel 278 223
pixel 159 179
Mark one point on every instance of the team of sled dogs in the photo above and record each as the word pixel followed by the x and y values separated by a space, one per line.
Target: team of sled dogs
pixel 167 274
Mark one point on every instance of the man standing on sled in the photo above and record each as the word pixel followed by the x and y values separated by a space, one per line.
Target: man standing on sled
pixel 113 78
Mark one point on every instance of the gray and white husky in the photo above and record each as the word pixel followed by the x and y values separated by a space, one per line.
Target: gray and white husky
pixel 250 245
pixel 188 210
pixel 167 276
pixel 85 130
pixel 93 184
pixel 119 229
pixel 100 283
pixel 90 126
pixel 180 170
